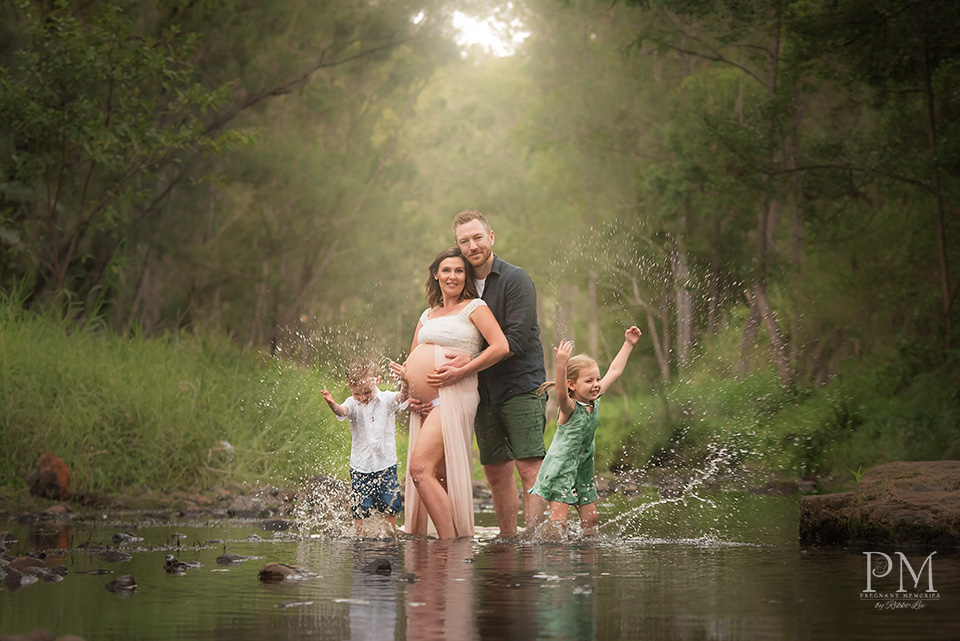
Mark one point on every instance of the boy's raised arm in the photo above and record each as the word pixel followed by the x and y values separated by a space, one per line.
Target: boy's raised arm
pixel 337 409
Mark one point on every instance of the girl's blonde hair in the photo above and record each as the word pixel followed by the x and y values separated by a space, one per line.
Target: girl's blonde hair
pixel 575 365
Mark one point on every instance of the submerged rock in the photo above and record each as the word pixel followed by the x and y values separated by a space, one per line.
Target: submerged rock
pixel 379 565
pixel 114 556
pixel 14 579
pixel 275 572
pixel 25 570
pixel 125 538
pixel 900 503
pixel 123 584
pixel 23 562
pixel 174 566
pixel 58 512
pixel 229 558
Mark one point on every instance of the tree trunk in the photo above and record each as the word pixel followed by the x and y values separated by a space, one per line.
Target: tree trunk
pixel 750 330
pixel 946 291
pixel 261 295
pixel 777 344
pixel 593 314
pixel 660 348
pixel 684 304
pixel 713 301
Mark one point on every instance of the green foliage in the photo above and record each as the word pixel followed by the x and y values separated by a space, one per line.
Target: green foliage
pixel 92 108
pixel 156 412
pixel 654 162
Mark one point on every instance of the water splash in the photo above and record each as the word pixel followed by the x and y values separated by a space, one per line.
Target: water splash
pixel 323 508
pixel 677 488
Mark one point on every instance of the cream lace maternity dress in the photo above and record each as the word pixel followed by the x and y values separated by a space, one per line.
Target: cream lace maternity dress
pixel 458 408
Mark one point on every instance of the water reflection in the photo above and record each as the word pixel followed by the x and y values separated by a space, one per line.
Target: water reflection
pixel 507 593
pixel 537 592
pixel 53 536
pixel 569 608
pixel 650 585
pixel 439 604
pixel 373 596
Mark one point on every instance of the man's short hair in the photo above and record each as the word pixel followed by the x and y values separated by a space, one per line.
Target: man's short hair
pixel 466 216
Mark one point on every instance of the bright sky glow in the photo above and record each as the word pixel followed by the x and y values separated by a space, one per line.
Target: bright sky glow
pixel 497 37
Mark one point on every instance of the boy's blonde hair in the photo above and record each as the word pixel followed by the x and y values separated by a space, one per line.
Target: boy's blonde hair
pixel 360 371
pixel 575 365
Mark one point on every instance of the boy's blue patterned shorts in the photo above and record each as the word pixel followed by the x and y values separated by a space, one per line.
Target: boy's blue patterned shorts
pixel 375 491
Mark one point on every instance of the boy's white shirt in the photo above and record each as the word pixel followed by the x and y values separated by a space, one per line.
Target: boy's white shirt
pixel 373 431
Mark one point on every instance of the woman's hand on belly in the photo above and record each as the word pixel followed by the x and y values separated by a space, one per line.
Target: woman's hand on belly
pixel 450 372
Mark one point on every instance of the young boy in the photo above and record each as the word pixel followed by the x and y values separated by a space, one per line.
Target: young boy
pixel 373 451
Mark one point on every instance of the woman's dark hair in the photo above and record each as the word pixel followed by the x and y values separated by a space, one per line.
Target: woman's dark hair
pixel 434 295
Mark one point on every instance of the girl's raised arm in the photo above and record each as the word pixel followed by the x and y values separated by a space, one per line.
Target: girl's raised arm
pixel 564 402
pixel 630 338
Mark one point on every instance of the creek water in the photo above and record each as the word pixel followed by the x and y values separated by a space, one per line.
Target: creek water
pixel 718 566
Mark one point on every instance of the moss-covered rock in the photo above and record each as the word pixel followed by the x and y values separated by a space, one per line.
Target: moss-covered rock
pixel 900 503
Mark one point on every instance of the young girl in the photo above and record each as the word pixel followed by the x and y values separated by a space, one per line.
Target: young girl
pixel 566 476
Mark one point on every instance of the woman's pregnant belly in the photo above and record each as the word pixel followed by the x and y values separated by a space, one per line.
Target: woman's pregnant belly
pixel 421 363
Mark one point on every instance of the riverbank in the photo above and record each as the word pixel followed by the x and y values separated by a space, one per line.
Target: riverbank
pixel 186 415
pixel 173 413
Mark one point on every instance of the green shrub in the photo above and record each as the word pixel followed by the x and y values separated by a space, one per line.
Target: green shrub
pixel 175 412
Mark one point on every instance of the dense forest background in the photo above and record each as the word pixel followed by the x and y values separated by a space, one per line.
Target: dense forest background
pixel 768 188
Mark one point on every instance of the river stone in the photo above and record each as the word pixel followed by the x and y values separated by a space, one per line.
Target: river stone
pixel 23 562
pixel 13 579
pixel 59 511
pixel 229 558
pixel 7 541
pixel 275 525
pixel 379 565
pixel 175 566
pixel 272 572
pixel 900 503
pixel 123 584
pixel 115 556
pixel 124 538
pixel 245 507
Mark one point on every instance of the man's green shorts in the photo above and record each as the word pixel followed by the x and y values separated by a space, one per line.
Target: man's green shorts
pixel 513 429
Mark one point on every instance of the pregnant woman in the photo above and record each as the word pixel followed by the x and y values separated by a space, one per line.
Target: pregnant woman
pixel 439 485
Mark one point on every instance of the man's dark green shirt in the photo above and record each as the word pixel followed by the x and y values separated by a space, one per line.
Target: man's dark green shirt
pixel 511 296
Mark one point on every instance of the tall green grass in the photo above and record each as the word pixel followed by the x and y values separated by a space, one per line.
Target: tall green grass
pixel 174 412
pixel 897 407
pixel 128 413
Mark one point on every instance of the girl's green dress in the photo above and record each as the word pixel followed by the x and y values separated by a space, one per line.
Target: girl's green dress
pixel 566 475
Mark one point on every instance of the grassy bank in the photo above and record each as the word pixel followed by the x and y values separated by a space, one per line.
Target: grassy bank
pixel 176 412
pixel 182 412
pixel 898 407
